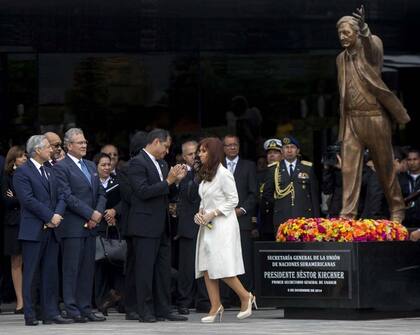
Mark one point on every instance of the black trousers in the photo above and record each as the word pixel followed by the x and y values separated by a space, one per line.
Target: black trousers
pixel 247 245
pixel 153 275
pixel 130 298
pixel 186 272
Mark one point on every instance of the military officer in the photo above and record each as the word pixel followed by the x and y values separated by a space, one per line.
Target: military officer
pixel 265 226
pixel 291 186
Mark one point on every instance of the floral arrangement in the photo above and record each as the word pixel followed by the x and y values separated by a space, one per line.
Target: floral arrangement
pixel 340 230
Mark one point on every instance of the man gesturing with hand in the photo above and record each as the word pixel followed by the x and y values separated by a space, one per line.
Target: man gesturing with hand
pixel 148 225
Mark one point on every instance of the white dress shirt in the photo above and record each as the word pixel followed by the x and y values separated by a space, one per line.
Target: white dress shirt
pixel 231 164
pixel 38 166
pixel 76 161
pixel 290 163
pixel 156 163
pixel 105 182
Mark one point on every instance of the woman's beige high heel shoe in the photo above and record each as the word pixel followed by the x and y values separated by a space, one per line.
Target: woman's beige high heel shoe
pixel 248 312
pixel 211 318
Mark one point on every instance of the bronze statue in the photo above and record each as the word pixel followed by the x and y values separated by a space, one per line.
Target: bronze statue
pixel 367 107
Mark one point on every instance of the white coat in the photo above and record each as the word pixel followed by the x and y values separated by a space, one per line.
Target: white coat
pixel 219 249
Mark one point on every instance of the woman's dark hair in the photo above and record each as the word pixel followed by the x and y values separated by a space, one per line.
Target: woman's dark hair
pixel 215 154
pixel 99 156
pixel 14 152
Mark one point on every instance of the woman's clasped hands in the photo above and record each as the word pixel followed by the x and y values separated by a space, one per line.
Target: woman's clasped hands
pixel 203 218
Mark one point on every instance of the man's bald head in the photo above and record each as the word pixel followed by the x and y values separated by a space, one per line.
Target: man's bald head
pixel 52 137
pixel 55 142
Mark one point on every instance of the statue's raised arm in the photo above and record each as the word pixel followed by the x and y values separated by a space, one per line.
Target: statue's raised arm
pixel 359 17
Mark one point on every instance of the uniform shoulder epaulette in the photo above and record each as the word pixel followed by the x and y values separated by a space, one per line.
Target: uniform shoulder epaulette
pixel 306 163
pixel 273 164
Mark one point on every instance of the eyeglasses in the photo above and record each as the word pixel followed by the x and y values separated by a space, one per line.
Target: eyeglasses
pixel 81 142
pixel 56 145
pixel 233 145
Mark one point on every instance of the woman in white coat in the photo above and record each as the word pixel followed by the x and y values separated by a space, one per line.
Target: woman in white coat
pixel 218 252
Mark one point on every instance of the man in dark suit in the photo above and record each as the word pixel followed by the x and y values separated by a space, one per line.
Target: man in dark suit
pixel 245 174
pixel 79 183
pixel 42 210
pixel 148 224
pixel 410 184
pixel 291 186
pixel 187 206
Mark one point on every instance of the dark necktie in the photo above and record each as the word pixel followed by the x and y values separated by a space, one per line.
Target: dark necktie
pixel 291 170
pixel 44 175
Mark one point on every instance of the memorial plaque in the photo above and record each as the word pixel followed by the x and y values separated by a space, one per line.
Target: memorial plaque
pixel 308 274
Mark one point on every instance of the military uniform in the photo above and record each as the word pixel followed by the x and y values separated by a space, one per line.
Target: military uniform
pixel 291 196
pixel 265 209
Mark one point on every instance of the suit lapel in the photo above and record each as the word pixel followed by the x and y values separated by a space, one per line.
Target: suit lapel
pixel 238 168
pixel 93 179
pixel 163 168
pixel 298 169
pixel 52 189
pixel 74 166
pixel 37 174
pixel 152 165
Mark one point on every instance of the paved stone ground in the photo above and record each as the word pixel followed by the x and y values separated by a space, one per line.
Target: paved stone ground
pixel 266 321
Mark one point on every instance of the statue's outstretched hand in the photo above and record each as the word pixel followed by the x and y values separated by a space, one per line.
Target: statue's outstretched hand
pixel 359 17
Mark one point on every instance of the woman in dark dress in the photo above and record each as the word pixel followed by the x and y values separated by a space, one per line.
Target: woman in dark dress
pixel 109 278
pixel 12 247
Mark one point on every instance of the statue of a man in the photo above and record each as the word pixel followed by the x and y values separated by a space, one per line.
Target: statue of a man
pixel 367 107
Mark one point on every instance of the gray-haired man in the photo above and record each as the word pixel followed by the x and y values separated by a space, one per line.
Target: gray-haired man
pixel 85 199
pixel 42 210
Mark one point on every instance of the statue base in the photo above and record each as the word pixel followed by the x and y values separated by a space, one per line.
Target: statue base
pixel 358 280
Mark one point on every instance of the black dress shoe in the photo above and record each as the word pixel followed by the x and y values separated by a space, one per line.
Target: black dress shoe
pixel 78 319
pixel 183 310
pixel 31 322
pixel 19 311
pixel 172 317
pixel 147 319
pixel 132 316
pixel 94 318
pixel 58 320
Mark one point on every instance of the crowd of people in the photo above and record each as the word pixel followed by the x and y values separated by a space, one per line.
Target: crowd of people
pixel 61 210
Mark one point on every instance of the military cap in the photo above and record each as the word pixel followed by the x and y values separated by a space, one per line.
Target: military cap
pixel 290 140
pixel 272 144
